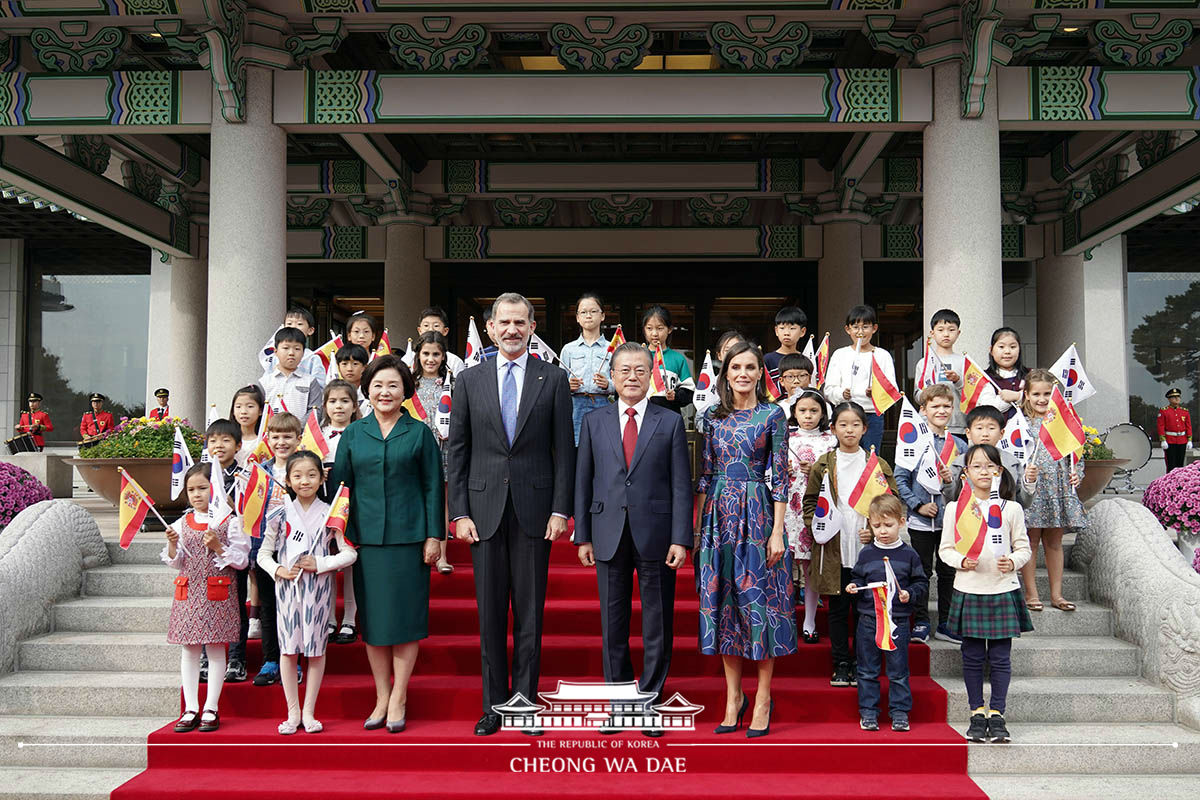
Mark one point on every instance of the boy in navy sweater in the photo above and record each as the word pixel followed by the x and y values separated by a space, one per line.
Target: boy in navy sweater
pixel 886 517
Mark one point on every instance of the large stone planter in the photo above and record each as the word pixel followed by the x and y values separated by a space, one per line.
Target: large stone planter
pixel 152 474
pixel 1096 475
pixel 1188 542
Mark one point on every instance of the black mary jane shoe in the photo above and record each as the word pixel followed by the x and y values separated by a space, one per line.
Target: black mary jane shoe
pixel 811 638
pixel 741 713
pixel 187 725
pixel 346 638
pixel 209 725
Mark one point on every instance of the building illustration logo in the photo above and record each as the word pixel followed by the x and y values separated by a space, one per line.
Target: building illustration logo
pixel 590 706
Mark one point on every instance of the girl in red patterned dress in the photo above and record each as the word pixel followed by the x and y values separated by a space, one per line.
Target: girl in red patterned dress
pixel 205 609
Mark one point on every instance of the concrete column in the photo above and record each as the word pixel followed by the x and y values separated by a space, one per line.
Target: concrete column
pixel 247 239
pixel 405 281
pixel 839 279
pixel 158 366
pixel 1083 302
pixel 961 216
pixel 12 332
pixel 188 325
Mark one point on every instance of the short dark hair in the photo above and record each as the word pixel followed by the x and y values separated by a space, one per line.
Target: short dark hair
pixel 848 407
pixel 795 361
pixel 300 311
pixel 352 352
pixel 633 348
pixel 656 311
pixel 791 315
pixel 434 338
pixel 390 361
pixel 434 311
pixel 862 313
pixel 589 296
pixel 986 412
pixel 944 315
pixel 286 334
pixel 819 399
pixel 224 427
pixel 202 469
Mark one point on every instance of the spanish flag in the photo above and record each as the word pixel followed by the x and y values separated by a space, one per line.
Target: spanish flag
pixel 312 439
pixel 822 362
pixel 384 347
pixel 949 451
pixel 885 626
pixel 871 484
pixel 267 413
pixel 252 505
pixel 884 393
pixel 414 408
pixel 262 452
pixel 133 505
pixel 1062 431
pixel 658 375
pixel 327 351
pixel 618 339
pixel 773 390
pixel 970 527
pixel 974 379
pixel 339 512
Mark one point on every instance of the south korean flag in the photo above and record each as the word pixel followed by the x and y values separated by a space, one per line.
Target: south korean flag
pixel 1069 371
pixel 913 437
pixel 927 470
pixel 826 522
pixel 1017 440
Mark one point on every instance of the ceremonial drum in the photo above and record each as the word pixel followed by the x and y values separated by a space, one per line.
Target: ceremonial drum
pixel 1128 441
pixel 21 443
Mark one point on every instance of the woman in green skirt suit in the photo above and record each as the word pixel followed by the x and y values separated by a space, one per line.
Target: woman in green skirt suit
pixel 393 467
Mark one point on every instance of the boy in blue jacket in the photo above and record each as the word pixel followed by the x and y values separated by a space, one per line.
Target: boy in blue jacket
pixel 886 517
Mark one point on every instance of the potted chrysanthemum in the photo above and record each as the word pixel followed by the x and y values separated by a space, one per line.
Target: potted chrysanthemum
pixel 1174 499
pixel 19 489
pixel 1099 465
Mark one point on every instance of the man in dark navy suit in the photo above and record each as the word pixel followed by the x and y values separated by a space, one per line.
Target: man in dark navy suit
pixel 633 510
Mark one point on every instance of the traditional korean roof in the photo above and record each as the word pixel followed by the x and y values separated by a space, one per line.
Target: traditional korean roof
pixel 677 705
pixel 585 691
pixel 519 704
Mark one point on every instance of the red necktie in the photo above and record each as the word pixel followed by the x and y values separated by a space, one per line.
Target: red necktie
pixel 629 438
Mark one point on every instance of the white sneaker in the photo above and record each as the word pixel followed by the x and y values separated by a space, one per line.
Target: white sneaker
pixel 255 631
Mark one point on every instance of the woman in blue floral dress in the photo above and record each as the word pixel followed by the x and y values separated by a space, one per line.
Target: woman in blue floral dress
pixel 746 604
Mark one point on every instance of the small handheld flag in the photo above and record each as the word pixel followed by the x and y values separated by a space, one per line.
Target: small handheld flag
pixel 181 462
pixel 884 393
pixel 998 540
pixel 339 511
pixel 826 522
pixel 706 392
pixel 133 504
pixel 618 339
pixel 871 484
pixel 410 355
pixel 414 408
pixel 928 474
pixel 822 361
pixel 809 352
pixel 219 509
pixel 255 498
pixel 384 347
pixel 658 375
pixel 885 626
pixel 912 436
pixel 1017 439
pixel 949 452
pixel 313 439
pixel 1069 371
pixel 210 417
pixel 266 355
pixel 327 351
pixel 474 354
pixel 974 381
pixel 932 368
pixel 441 418
pixel 1062 430
pixel 970 527
pixel 773 390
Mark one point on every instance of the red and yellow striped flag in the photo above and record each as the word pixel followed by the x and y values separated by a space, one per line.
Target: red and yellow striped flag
pixel 974 379
pixel 658 375
pixel 773 390
pixel 884 393
pixel 822 363
pixel 970 526
pixel 384 347
pixel 133 505
pixel 885 626
pixel 252 505
pixel 339 512
pixel 618 339
pixel 949 451
pixel 871 484
pixel 414 408
pixel 327 351
pixel 1062 430
pixel 313 439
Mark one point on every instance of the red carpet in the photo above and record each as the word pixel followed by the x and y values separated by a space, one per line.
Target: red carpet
pixel 815 749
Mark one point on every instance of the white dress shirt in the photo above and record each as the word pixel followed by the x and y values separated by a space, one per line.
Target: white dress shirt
pixel 639 414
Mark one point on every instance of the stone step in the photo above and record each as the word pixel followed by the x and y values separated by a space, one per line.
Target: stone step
pixel 76 783
pixel 1086 787
pixel 1046 656
pixel 141 551
pixel 103 742
pixel 1093 700
pixel 1071 748
pixel 114 614
pixel 90 694
pixel 129 580
pixel 1075 586
pixel 98 652
pixel 1089 619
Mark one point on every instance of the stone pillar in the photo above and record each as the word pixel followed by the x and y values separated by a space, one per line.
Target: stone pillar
pixel 158 364
pixel 12 333
pixel 405 281
pixel 1083 302
pixel 839 280
pixel 188 325
pixel 247 285
pixel 961 217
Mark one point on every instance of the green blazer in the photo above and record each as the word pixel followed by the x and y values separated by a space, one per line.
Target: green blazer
pixel 397 493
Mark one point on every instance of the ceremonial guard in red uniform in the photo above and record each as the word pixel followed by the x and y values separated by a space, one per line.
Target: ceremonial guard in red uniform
pixel 1174 430
pixel 35 421
pixel 163 411
pixel 97 421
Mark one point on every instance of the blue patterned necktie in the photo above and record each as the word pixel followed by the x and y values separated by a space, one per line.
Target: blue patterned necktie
pixel 508 401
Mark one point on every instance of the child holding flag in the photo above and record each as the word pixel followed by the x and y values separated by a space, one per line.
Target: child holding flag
pixel 1054 507
pixel 809 441
pixel 296 552
pixel 434 378
pixel 862 476
pixel 247 410
pixel 849 377
pixel 984 539
pixel 204 610
pixel 340 408
pixel 352 360
pixel 364 331
pixel 883 613
pixel 678 385
pixel 588 360
pixel 1006 371
pixel 941 364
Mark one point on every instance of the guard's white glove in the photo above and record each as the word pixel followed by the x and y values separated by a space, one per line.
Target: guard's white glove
pixel 1164 445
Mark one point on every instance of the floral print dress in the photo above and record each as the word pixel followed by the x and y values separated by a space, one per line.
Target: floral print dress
pixel 804 447
pixel 1055 503
pixel 746 608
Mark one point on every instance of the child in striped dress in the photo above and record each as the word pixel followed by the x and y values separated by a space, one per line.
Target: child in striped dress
pixel 296 551
pixel 205 607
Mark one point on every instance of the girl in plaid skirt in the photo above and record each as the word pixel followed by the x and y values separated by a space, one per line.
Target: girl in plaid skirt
pixel 988 608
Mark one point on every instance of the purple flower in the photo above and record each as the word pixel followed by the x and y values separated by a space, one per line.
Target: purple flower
pixel 18 490
pixel 1173 499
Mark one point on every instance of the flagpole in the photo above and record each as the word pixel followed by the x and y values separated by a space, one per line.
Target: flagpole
pixel 137 488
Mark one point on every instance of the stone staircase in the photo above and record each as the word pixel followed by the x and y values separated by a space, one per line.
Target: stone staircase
pixel 75 716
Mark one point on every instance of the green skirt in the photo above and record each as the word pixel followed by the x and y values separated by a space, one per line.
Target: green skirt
pixel 391 585
pixel 989 616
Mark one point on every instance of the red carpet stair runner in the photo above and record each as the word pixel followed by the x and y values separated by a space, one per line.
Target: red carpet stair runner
pixel 815 749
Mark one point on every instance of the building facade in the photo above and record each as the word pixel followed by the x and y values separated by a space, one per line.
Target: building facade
pixel 175 172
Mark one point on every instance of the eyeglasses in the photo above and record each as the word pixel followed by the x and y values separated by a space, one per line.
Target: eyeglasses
pixel 588 312
pixel 625 372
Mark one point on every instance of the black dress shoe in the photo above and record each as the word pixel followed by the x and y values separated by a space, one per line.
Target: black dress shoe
pixel 487 725
pixel 652 732
pixel 532 731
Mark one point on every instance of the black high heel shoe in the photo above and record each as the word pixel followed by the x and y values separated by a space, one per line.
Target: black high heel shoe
pixel 738 724
pixel 754 733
